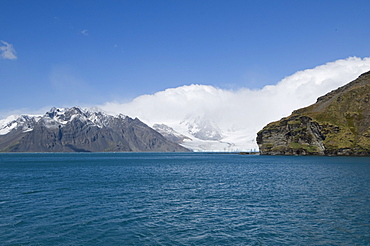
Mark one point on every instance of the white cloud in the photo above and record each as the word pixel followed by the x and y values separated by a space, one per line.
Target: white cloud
pixel 240 114
pixel 7 51
pixel 85 32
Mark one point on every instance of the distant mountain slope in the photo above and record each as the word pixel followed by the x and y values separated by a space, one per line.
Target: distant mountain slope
pixel 77 130
pixel 170 133
pixel 337 124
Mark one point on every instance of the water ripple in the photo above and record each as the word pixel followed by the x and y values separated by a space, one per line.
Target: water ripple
pixel 183 199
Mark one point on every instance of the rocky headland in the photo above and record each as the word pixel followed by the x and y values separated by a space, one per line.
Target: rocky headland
pixel 337 124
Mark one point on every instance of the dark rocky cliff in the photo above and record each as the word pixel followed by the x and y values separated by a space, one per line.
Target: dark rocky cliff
pixel 74 130
pixel 337 124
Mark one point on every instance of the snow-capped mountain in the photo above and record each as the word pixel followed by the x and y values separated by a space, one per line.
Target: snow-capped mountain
pixel 201 134
pixel 16 121
pixel 170 133
pixel 76 129
pixel 194 132
pixel 203 128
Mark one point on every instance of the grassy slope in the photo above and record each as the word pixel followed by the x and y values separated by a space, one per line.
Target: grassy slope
pixel 344 115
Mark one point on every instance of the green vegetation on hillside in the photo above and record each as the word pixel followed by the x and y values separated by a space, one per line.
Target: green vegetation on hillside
pixel 342 117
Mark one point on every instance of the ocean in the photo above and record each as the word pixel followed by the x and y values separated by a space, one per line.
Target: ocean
pixel 183 199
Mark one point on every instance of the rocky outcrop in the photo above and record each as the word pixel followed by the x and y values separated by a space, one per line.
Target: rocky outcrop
pixel 76 130
pixel 337 124
pixel 290 136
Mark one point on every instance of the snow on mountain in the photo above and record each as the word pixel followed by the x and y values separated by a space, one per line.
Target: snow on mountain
pixel 231 141
pixel 81 130
pixel 16 121
pixel 56 117
pixel 193 131
pixel 170 133
pixel 203 135
pixel 202 128
pixel 6 125
pixel 61 116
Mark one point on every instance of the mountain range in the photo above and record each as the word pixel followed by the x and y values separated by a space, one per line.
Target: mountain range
pixel 79 130
pixel 337 124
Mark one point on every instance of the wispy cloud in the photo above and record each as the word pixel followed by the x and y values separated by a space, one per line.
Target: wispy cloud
pixel 242 112
pixel 85 32
pixel 7 51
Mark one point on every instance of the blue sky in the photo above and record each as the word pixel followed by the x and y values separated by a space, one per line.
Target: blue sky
pixel 84 53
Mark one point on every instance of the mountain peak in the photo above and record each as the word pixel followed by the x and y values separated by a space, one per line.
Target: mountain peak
pixel 75 129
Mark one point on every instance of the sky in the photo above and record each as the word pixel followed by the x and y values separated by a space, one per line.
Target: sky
pixel 87 53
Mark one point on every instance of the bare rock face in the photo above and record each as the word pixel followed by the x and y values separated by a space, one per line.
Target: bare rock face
pixel 77 130
pixel 297 135
pixel 337 124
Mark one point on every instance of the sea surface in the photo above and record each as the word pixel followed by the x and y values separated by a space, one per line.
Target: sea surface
pixel 183 199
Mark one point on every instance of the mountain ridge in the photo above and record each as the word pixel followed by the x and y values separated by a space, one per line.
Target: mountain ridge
pixel 78 130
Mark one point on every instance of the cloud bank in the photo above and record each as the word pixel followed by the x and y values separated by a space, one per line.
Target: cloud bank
pixel 240 114
pixel 7 51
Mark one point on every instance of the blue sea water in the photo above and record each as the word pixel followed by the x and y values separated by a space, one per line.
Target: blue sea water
pixel 183 199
